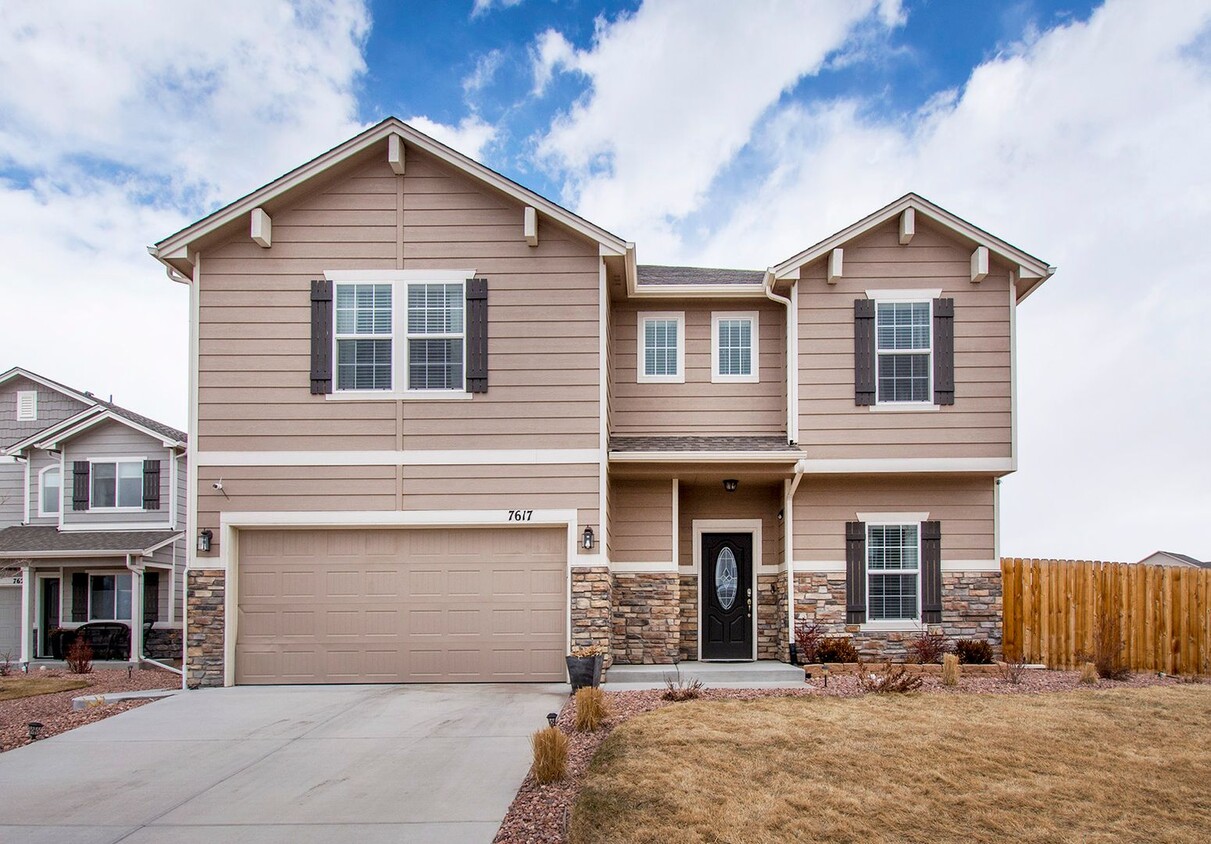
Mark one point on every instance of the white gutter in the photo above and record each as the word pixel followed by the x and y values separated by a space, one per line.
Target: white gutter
pixel 788 547
pixel 792 352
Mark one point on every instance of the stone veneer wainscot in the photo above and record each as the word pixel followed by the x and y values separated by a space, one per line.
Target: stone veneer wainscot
pixel 206 592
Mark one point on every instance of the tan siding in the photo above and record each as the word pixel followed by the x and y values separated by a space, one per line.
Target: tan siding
pixel 642 518
pixel 750 501
pixel 964 505
pixel 977 425
pixel 698 406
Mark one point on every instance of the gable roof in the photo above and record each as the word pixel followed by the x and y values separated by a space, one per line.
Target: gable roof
pixel 1184 558
pixel 176 247
pixel 1032 271
pixel 18 372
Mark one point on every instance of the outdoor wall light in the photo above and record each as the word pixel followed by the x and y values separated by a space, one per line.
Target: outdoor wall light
pixel 780 514
pixel 551 717
pixel 35 728
pixel 587 539
pixel 204 538
pixel 730 484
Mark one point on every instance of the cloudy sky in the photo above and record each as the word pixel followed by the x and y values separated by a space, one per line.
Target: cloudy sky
pixel 725 133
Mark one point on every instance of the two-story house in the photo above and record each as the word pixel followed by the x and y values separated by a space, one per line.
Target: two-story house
pixel 92 521
pixel 445 429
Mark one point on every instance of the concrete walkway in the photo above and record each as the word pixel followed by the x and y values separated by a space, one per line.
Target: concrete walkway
pixel 295 764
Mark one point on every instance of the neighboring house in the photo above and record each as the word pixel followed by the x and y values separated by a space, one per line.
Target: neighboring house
pixel 92 517
pixel 444 429
pixel 1172 558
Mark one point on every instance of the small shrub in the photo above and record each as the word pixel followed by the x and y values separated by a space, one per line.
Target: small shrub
pixel 1109 648
pixel 550 754
pixel 950 670
pixel 682 689
pixel 928 648
pixel 1012 670
pixel 80 656
pixel 892 680
pixel 836 649
pixel 807 641
pixel 6 663
pixel 1089 673
pixel 585 651
pixel 591 709
pixel 973 651
pixel 1192 679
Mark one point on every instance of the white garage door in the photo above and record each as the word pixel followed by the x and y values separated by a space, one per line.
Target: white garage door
pixel 394 605
pixel 10 622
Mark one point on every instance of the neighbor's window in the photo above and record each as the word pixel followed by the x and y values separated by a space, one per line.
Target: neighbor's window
pixel 435 337
pixel 893 564
pixel 117 484
pixel 109 597
pixel 661 347
pixel 734 353
pixel 48 492
pixel 903 341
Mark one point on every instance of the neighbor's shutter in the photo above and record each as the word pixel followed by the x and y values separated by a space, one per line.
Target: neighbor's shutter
pixel 477 335
pixel 79 489
pixel 931 572
pixel 321 337
pixel 855 572
pixel 864 352
pixel 943 351
pixel 151 484
pixel 151 596
pixel 79 596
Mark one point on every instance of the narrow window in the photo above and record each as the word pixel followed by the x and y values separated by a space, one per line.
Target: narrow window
pixel 893 560
pixel 363 337
pixel 48 493
pixel 436 337
pixel 734 352
pixel 903 341
pixel 662 347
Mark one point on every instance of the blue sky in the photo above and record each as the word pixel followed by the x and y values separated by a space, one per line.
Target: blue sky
pixel 710 133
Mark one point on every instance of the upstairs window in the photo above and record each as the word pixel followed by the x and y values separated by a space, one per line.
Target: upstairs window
pixel 435 337
pixel 27 405
pixel 363 337
pixel 49 486
pixel 734 352
pixel 661 347
pixel 893 566
pixel 117 485
pixel 903 343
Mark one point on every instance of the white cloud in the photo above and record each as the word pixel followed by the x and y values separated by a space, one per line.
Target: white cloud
pixel 470 137
pixel 484 72
pixel 482 7
pixel 675 90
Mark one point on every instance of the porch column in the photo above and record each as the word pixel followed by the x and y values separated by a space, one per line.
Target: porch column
pixel 27 616
pixel 136 613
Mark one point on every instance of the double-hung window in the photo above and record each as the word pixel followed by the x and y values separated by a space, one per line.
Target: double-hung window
pixel 903 343
pixel 435 337
pixel 49 484
pixel 661 347
pixel 109 597
pixel 893 568
pixel 734 350
pixel 364 330
pixel 117 485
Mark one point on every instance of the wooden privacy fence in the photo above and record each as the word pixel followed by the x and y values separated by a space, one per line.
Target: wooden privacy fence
pixel 1051 608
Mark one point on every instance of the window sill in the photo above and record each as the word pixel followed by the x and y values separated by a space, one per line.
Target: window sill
pixel 108 510
pixel 416 395
pixel 716 378
pixel 905 407
pixel 660 379
pixel 904 626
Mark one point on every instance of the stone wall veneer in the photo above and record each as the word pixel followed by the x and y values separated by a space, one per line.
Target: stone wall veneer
pixel 591 594
pixel 162 644
pixel 205 593
pixel 771 616
pixel 646 618
pixel 689 617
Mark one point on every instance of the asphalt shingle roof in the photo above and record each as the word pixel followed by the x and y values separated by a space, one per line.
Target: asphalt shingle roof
pixel 655 274
pixel 774 445
pixel 42 539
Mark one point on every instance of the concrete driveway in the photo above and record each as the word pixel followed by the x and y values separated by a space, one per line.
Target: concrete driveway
pixel 296 764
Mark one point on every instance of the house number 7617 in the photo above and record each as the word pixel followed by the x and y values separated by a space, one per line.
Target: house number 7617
pixel 521 515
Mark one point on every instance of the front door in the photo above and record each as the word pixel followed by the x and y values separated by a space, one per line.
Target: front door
pixel 50 611
pixel 727 596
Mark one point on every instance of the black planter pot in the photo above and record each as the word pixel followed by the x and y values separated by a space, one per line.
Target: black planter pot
pixel 794 654
pixel 584 671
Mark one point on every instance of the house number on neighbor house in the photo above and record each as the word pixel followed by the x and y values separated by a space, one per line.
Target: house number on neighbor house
pixel 521 515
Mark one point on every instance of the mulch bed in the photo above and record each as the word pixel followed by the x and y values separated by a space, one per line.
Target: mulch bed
pixel 54 710
pixel 539 813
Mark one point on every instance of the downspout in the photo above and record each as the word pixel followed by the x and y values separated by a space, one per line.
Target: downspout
pixel 792 367
pixel 788 547
pixel 139 568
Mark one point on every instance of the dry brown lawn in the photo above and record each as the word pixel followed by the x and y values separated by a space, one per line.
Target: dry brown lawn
pixel 12 688
pixel 1097 766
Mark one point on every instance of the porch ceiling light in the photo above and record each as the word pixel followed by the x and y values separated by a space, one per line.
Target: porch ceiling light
pixel 730 484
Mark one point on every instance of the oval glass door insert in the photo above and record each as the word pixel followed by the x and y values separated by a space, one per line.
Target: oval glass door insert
pixel 726 578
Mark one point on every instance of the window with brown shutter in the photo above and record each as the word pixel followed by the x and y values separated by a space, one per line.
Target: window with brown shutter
pixel 79 487
pixel 931 572
pixel 151 484
pixel 855 572
pixel 477 335
pixel 864 352
pixel 943 351
pixel 321 337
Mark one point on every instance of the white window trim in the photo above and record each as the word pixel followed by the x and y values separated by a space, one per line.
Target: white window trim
pixel 892 624
pixel 903 297
pixel 115 509
pixel 754 375
pixel 22 397
pixel 399 336
pixel 115 573
pixel 42 511
pixel 640 376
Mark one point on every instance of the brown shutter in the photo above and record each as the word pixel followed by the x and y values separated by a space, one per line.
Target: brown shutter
pixel 151 596
pixel 943 351
pixel 79 596
pixel 79 488
pixel 864 352
pixel 931 572
pixel 151 484
pixel 321 337
pixel 477 335
pixel 855 572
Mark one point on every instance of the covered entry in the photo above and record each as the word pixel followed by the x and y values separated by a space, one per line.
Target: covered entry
pixel 399 605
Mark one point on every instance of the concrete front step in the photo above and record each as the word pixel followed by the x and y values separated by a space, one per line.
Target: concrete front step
pixel 760 674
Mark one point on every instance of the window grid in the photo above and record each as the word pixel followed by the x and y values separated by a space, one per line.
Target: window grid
pixel 904 339
pixel 660 339
pixel 436 336
pixel 364 333
pixel 735 347
pixel 893 559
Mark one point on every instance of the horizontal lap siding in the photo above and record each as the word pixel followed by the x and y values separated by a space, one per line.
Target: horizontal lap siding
pixel 979 422
pixel 699 406
pixel 254 344
pixel 553 487
pixel 12 491
pixel 750 501
pixel 115 441
pixel 964 505
pixel 641 521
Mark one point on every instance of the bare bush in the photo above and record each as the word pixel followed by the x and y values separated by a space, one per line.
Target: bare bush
pixel 890 680
pixel 1109 647
pixel 1013 669
pixel 80 656
pixel 928 648
pixel 807 640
